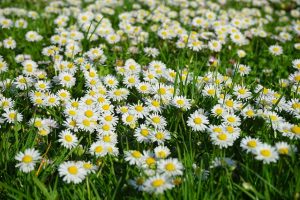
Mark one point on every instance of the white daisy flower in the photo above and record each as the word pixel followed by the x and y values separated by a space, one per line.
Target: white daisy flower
pixel 67 139
pixel 266 153
pixel 72 172
pixel 28 159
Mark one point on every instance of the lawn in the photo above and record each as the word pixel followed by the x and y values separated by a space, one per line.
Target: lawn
pixel 149 99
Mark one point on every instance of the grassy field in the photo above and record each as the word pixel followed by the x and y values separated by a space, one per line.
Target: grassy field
pixel 149 99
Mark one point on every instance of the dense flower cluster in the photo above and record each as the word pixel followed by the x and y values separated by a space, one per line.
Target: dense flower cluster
pixel 77 105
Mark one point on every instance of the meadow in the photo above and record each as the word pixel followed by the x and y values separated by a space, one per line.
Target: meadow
pixel 149 99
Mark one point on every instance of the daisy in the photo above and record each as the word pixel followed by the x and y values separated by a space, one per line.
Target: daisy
pixel 149 161
pixel 29 67
pixel 88 166
pixel 42 85
pixel 210 90
pixel 215 45
pixel 151 52
pixel 110 81
pixel 134 157
pixel 241 92
pixel 160 136
pixel 249 144
pixel 132 67
pixel 197 121
pixel 295 130
pixel 295 78
pixel 284 148
pixel 12 116
pixel 139 110
pixel 161 152
pixel 218 110
pixel 108 117
pixel 129 119
pixel 3 65
pixel 28 159
pixel 157 184
pixel 137 183
pixel 109 138
pixel 67 139
pixel 275 50
pixel 66 79
pixel 131 81
pixel 266 153
pixel 248 112
pixel 243 69
pixel 154 105
pixel 98 149
pixel 156 120
pixel 181 102
pixel 170 167
pixel 296 64
pixel 52 100
pixel 63 95
pixel 231 119
pixel 86 124
pixel 241 53
pixel 72 172
pixel 144 87
pixel 118 94
pixel 229 103
pixel 142 133
pixel 23 82
pixel 9 43
pixel 222 139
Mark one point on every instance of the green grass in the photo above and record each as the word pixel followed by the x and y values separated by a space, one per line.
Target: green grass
pixel 248 178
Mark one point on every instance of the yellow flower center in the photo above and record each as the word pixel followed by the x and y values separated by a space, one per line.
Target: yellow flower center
pixel 242 91
pixel 68 138
pixel 144 132
pixel 98 149
pixel 251 143
pixel 222 136
pixel 162 91
pixel 170 167
pixel 12 115
pixel 219 111
pixel 180 102
pixel 89 113
pixel 150 161
pixel 229 103
pixel 105 107
pixel 73 170
pixel 250 113
pixel 265 152
pixel 159 135
pixel 139 108
pixel 155 103
pixel 27 159
pixel 143 88
pixel 106 138
pixel 211 92
pixel 231 119
pixel 129 118
pixel 283 150
pixel 86 122
pixel 198 120
pixel 296 105
pixel 296 129
pixel 67 78
pixel 136 154
pixel 161 154
pixel 157 182
pixel 106 127
pixel 87 165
